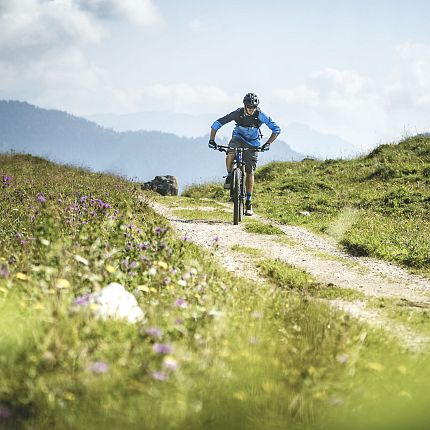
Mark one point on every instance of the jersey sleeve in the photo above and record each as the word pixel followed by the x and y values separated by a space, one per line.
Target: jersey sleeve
pixel 232 116
pixel 265 119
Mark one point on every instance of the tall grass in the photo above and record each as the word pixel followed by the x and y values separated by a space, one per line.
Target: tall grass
pixel 214 352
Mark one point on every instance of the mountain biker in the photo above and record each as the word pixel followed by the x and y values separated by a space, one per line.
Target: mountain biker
pixel 246 134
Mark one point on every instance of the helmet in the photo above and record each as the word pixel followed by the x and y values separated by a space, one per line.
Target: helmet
pixel 251 99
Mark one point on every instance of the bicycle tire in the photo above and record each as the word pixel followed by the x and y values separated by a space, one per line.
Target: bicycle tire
pixel 237 216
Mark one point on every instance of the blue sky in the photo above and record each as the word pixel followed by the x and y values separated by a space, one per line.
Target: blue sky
pixel 360 70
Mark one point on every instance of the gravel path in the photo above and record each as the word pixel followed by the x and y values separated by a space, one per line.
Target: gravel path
pixel 319 257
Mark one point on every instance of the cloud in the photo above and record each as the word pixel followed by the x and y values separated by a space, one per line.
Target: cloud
pixel 41 51
pixel 187 98
pixel 408 85
pixel 142 12
pixel 362 109
pixel 30 27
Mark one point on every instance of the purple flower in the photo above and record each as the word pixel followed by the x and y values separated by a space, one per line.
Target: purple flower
pixel 162 348
pixel 160 230
pixel 5 412
pixel 99 367
pixel 216 239
pixel 159 376
pixel 154 332
pixel 181 303
pixel 144 245
pixel 83 198
pixel 3 272
pixel 41 198
pixel 82 300
pixel 7 180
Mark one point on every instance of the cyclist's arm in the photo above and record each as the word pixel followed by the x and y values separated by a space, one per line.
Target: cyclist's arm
pixel 276 130
pixel 232 116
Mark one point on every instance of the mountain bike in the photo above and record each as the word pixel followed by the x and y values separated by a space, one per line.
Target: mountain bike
pixel 237 184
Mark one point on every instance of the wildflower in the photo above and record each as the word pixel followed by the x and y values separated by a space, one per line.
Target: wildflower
pixel 99 367
pixel 7 180
pixel 185 238
pixel 144 245
pixel 154 332
pixel 160 230
pixel 152 271
pixel 215 313
pixel 5 412
pixel 181 303
pixel 170 363
pixel 182 282
pixel 3 271
pixel 162 348
pixel 159 376
pixel 256 315
pixel 83 199
pixel 41 198
pixel 216 239
pixel 82 300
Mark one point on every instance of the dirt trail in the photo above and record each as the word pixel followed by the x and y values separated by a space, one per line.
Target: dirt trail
pixel 323 260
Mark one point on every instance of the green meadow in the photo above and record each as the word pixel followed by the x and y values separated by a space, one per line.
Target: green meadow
pixel 214 351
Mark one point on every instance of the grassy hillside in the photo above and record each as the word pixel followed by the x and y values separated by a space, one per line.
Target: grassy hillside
pixel 377 205
pixel 213 353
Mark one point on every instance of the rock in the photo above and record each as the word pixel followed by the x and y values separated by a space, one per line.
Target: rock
pixel 113 301
pixel 164 185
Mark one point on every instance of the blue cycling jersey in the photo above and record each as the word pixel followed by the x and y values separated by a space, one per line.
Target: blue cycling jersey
pixel 247 127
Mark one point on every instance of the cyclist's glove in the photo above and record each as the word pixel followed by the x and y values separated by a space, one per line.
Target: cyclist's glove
pixel 212 144
pixel 265 147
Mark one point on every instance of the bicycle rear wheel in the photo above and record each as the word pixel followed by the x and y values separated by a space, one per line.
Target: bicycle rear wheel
pixel 237 201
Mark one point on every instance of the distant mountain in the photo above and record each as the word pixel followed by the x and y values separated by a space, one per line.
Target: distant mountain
pixel 181 124
pixel 312 143
pixel 65 138
pixel 300 137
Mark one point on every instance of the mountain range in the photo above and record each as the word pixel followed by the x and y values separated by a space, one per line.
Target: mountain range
pixel 65 138
pixel 300 137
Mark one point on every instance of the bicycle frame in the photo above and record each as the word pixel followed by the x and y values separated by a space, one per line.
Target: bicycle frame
pixel 237 187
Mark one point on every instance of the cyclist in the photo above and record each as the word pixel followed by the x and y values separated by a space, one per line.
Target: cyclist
pixel 246 134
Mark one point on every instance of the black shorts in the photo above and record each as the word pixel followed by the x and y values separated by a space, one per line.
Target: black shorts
pixel 250 158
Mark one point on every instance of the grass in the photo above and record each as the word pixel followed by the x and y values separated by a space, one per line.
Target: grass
pixel 243 355
pixel 414 317
pixel 247 250
pixel 262 228
pixel 376 205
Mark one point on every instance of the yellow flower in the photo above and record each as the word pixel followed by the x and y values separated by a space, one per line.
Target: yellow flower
pixel 62 283
pixel 21 276
pixel 239 395
pixel 143 288
pixel 110 268
pixel 69 396
pixel 377 367
pixel 162 264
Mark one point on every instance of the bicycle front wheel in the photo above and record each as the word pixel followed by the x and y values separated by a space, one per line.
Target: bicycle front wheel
pixel 237 201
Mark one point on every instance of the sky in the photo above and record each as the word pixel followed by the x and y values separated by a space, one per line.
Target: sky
pixel 356 69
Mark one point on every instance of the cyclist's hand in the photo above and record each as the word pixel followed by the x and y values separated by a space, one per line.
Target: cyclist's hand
pixel 212 144
pixel 265 147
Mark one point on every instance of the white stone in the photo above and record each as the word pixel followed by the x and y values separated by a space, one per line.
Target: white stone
pixel 115 302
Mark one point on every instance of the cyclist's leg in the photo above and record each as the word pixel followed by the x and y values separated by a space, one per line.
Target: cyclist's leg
pixel 250 160
pixel 230 154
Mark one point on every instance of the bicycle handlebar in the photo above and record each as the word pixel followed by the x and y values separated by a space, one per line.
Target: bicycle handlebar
pixel 222 148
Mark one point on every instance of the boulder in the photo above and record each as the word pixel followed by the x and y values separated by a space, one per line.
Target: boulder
pixel 114 302
pixel 164 185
